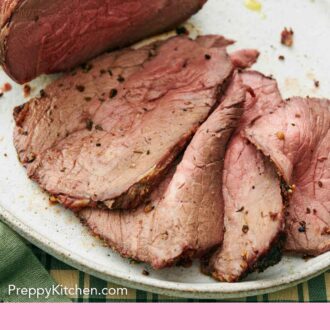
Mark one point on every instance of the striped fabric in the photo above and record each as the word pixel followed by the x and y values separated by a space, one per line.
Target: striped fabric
pixel 315 290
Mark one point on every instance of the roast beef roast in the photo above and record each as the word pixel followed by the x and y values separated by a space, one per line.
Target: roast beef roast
pixel 184 217
pixel 55 35
pixel 254 217
pixel 106 134
pixel 296 136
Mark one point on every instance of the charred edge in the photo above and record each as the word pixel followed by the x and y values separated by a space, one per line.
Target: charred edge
pixel 269 258
pixel 184 259
pixel 284 191
pixel 20 113
pixel 73 203
pixel 272 257
pixel 107 242
pixel 205 267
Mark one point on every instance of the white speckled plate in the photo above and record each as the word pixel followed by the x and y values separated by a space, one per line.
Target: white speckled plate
pixel 26 209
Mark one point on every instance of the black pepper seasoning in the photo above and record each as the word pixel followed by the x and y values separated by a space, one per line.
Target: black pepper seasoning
pixel 181 30
pixel 245 229
pixel 80 88
pixel 121 79
pixel 145 272
pixel 99 128
pixel 86 67
pixel 113 93
pixel 89 124
pixel 302 228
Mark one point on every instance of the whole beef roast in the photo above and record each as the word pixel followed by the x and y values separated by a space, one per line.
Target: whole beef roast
pixel 296 136
pixel 184 217
pixel 254 219
pixel 107 134
pixel 55 35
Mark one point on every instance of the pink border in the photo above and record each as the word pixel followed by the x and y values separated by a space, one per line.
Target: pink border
pixel 164 316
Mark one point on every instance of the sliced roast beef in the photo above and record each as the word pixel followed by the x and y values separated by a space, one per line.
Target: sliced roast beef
pixel 296 136
pixel 244 58
pixel 107 134
pixel 49 36
pixel 254 219
pixel 184 217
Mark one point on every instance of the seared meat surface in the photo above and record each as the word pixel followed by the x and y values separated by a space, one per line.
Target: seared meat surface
pixel 55 35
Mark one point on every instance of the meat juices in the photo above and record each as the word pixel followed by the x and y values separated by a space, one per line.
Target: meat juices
pixel 254 219
pixel 298 142
pixel 87 28
pixel 184 218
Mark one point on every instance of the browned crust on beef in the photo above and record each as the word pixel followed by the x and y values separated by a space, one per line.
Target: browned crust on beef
pixel 4 30
pixel 15 7
pixel 20 113
pixel 270 257
pixel 188 254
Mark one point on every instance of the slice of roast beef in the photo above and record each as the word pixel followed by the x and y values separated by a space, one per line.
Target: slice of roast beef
pixel 184 218
pixel 107 134
pixel 244 58
pixel 296 136
pixel 254 219
pixel 49 36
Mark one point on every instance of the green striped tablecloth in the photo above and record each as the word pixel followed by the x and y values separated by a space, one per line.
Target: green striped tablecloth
pixel 315 290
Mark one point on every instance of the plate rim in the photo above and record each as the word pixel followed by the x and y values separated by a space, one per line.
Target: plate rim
pixel 170 288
